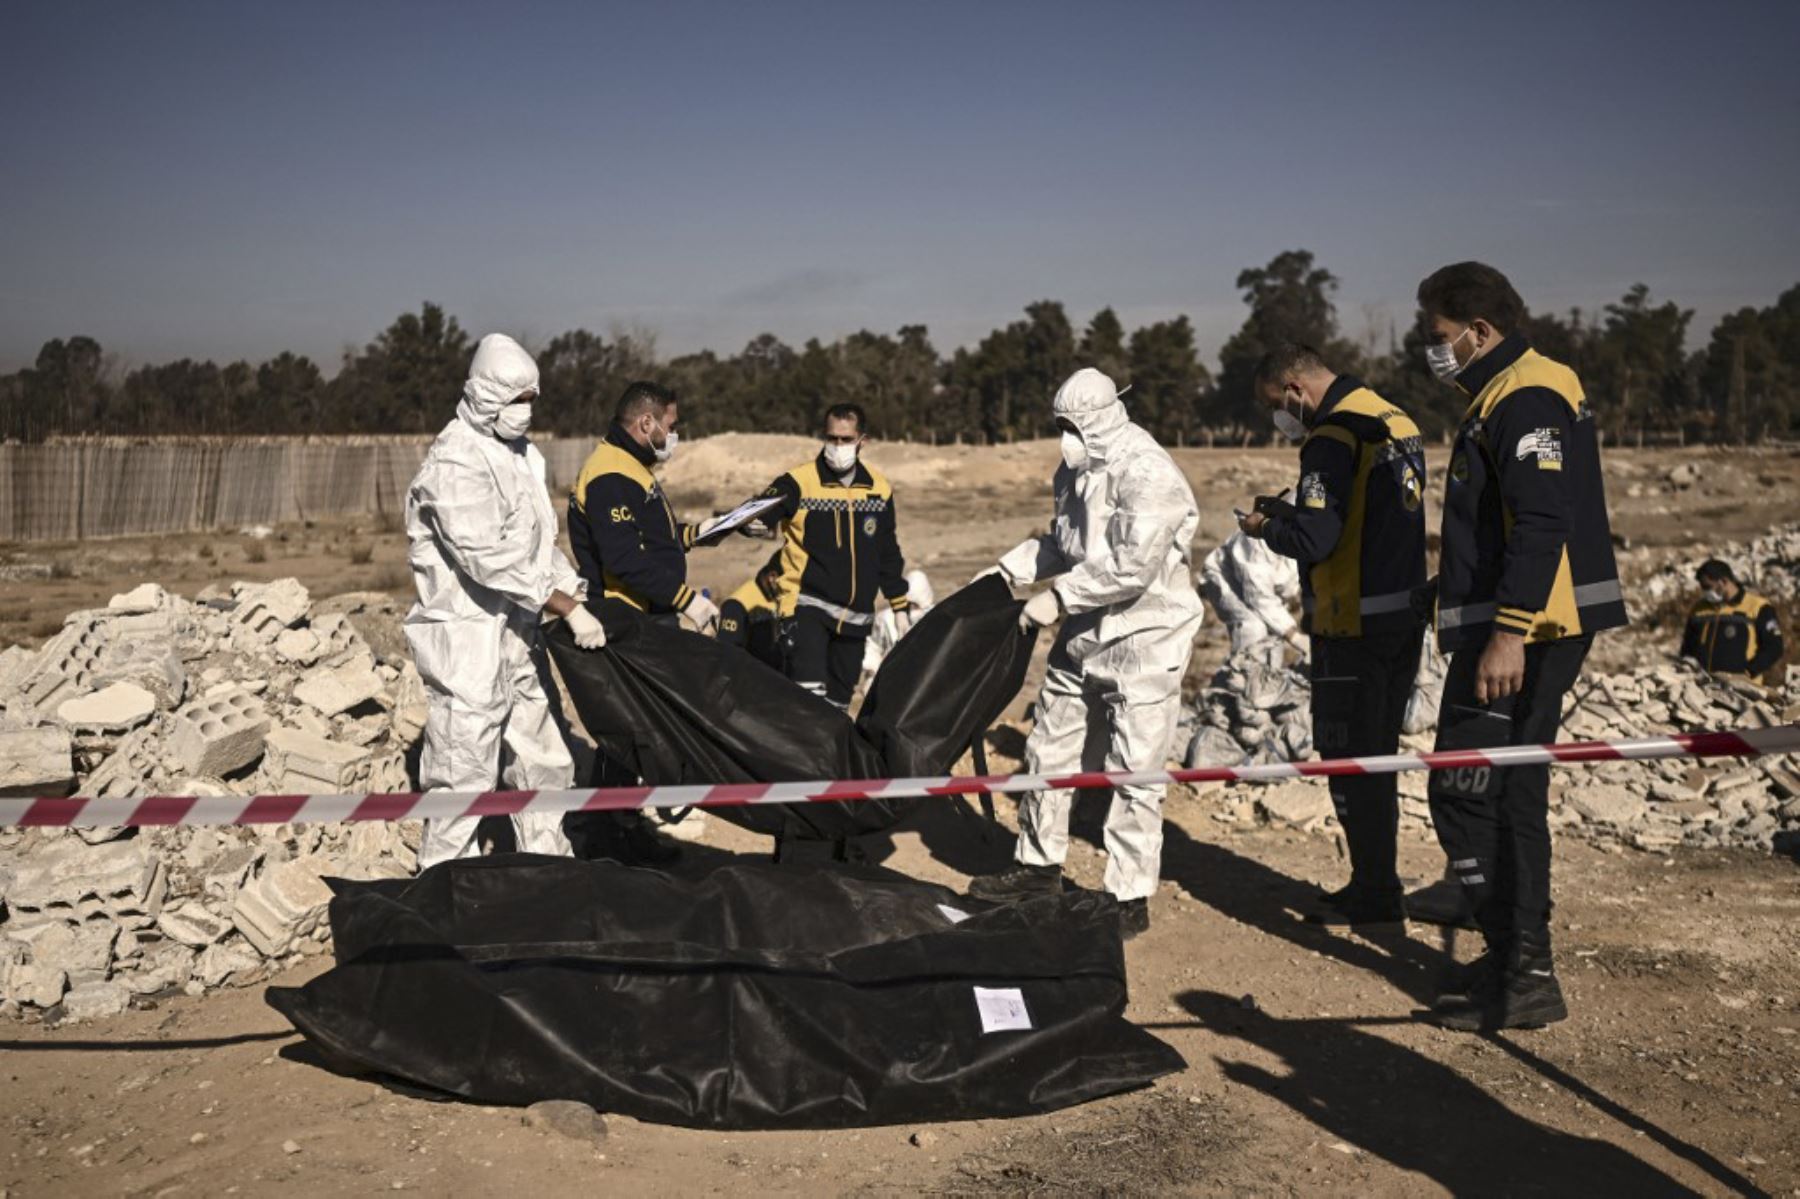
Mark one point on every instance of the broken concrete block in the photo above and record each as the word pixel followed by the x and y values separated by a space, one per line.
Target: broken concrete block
pixel 84 951
pixel 36 762
pixel 145 597
pixel 191 924
pixel 220 734
pixel 224 876
pixel 300 646
pixel 1609 803
pixel 129 769
pixel 29 980
pixel 161 968
pixel 228 961
pixel 124 876
pixel 338 690
pixel 265 609
pixel 305 764
pixel 282 905
pixel 93 1000
pixel 117 708
pixel 1300 803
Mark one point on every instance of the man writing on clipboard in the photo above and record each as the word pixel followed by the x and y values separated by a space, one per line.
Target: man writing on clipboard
pixel 839 550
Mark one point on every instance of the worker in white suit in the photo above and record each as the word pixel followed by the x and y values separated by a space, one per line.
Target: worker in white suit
pixel 1117 558
pixel 482 546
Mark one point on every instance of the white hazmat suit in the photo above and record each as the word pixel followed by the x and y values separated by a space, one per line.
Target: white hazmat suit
pixel 484 558
pixel 1119 552
pixel 886 630
pixel 1250 586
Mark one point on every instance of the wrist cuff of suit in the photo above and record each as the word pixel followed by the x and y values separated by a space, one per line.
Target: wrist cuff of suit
pixel 683 597
pixel 1513 620
pixel 688 533
pixel 899 603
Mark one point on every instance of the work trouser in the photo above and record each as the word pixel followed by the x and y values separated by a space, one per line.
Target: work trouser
pixel 822 657
pixel 1359 691
pixel 1085 724
pixel 1494 822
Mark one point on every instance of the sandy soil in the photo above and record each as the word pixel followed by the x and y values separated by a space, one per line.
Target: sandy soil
pixel 1678 1072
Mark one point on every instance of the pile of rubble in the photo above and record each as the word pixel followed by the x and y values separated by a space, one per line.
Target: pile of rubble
pixel 251 689
pixel 1255 712
pixel 1769 564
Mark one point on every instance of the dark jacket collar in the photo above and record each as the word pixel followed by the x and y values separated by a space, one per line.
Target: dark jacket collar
pixel 1481 372
pixel 619 437
pixel 1340 387
pixel 859 475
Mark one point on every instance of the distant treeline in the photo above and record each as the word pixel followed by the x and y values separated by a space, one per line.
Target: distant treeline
pixel 1744 384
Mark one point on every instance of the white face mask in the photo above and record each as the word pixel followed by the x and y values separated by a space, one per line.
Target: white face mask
pixel 1713 595
pixel 666 450
pixel 1074 450
pixel 840 458
pixel 513 421
pixel 1286 423
pixel 1441 358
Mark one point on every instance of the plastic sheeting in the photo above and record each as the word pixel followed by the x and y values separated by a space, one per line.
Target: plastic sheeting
pixel 759 997
pixel 669 706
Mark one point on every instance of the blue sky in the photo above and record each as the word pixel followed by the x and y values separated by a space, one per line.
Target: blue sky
pixel 229 180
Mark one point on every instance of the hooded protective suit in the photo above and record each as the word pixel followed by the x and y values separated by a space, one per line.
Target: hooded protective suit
pixel 1119 551
pixel 482 546
pixel 1250 586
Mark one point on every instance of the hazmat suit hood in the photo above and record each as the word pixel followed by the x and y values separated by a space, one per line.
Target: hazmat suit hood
pixel 500 373
pixel 1089 400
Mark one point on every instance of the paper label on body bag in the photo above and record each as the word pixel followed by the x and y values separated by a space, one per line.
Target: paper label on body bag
pixel 1001 1008
pixel 953 915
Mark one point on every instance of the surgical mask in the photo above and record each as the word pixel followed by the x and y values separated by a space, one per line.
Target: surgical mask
pixel 1441 358
pixel 1713 595
pixel 513 421
pixel 1286 423
pixel 1074 450
pixel 840 458
pixel 666 450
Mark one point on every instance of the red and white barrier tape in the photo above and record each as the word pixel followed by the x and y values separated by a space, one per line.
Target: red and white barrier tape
pixel 413 805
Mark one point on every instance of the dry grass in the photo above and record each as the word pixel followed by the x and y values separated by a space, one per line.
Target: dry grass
pixel 362 553
pixel 256 551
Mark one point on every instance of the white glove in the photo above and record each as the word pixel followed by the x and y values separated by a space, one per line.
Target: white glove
pixel 1041 609
pixel 588 632
pixel 701 614
pixel 904 619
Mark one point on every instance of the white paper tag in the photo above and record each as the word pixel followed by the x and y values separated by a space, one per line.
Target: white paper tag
pixel 953 915
pixel 1001 1009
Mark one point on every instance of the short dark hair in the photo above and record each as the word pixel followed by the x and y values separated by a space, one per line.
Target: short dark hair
pixel 640 397
pixel 847 412
pixel 1715 568
pixel 1288 358
pixel 1463 291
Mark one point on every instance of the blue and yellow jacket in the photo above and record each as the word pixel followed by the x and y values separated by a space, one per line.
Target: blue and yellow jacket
pixel 627 542
pixel 839 545
pixel 1740 636
pixel 1527 545
pixel 1357 524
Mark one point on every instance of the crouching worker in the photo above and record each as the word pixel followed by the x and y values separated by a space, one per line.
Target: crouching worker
pixel 1119 551
pixel 1733 630
pixel 482 545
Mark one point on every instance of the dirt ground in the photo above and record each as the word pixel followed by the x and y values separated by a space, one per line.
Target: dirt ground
pixel 1678 1072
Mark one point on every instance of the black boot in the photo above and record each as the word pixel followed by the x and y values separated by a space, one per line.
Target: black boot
pixel 1443 902
pixel 1016 883
pixel 1357 904
pixel 1134 918
pixel 1524 993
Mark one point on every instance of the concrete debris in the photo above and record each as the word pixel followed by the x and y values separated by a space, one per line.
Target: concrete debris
pixel 116 708
pixel 35 762
pixel 285 698
pixel 221 733
pixel 339 690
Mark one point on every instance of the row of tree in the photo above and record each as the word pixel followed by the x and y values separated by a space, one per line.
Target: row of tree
pixel 1744 384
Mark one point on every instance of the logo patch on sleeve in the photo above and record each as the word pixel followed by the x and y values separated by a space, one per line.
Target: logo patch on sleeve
pixel 1546 444
pixel 1312 490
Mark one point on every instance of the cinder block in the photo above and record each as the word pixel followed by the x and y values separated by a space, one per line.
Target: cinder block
pixel 221 733
pixel 265 609
pixel 306 764
pixel 191 924
pixel 116 708
pixel 121 876
pixel 36 762
pixel 283 905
